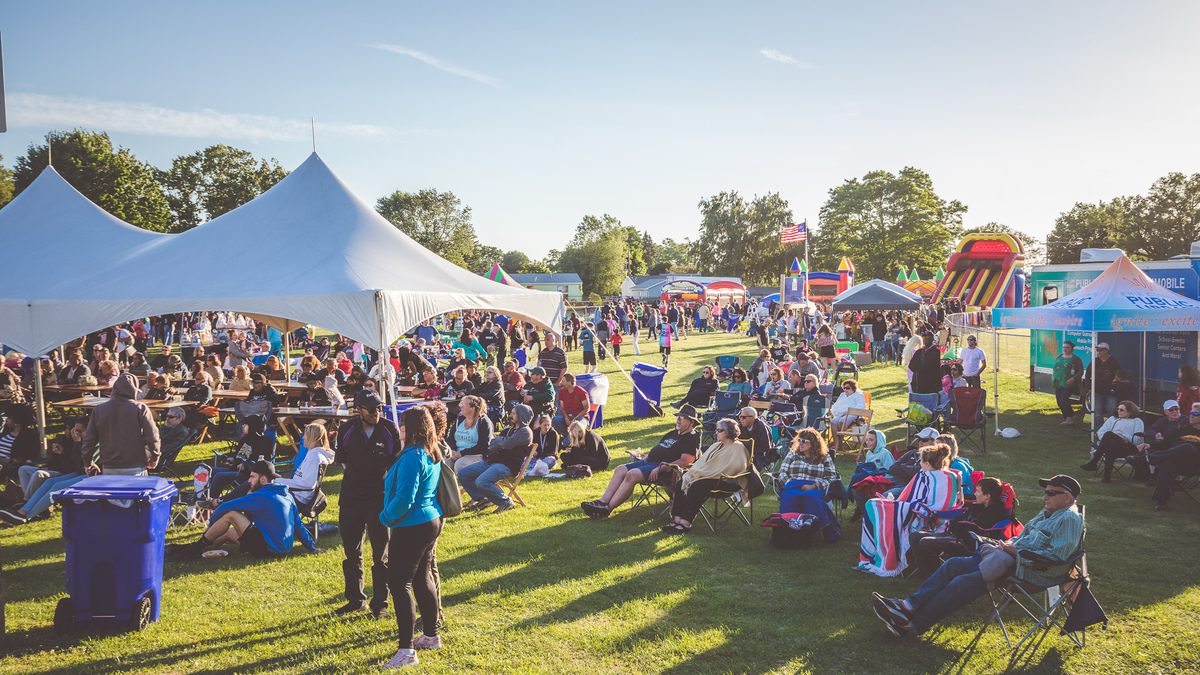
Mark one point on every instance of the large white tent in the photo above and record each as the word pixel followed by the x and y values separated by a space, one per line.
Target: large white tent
pixel 307 250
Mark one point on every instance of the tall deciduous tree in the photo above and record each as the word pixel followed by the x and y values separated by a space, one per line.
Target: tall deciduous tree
pixel 739 239
pixel 1165 221
pixel 599 254
pixel 885 220
pixel 673 257
pixel 436 220
pixel 114 179
pixel 1100 225
pixel 515 262
pixel 216 180
pixel 6 184
pixel 485 256
pixel 649 252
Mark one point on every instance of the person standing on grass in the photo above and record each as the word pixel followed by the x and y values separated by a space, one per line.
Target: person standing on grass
pixel 412 512
pixel 553 360
pixel 1068 368
pixel 366 447
pixel 974 361
pixel 121 435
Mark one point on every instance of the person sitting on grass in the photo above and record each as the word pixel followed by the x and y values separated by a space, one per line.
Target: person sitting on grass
pixel 505 455
pixel 548 441
pixel 263 523
pixel 680 446
pixel 584 447
pixel 725 457
pixel 63 450
pixel 1054 534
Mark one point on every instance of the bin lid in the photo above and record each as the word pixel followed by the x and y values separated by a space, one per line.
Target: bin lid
pixel 118 487
pixel 648 369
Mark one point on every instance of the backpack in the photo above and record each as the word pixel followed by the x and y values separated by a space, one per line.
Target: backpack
pixel 449 496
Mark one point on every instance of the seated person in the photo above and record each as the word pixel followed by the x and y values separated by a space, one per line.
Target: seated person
pixel 158 388
pixel 505 456
pixel 809 400
pixel 779 350
pixel 74 369
pixel 458 359
pixel 159 363
pixel 59 462
pixel 573 404
pixel 213 368
pixel 473 375
pixel 357 380
pixel 701 391
pixel 201 394
pixel 888 521
pixel 877 452
pixel 513 382
pixel 725 457
pixel 138 366
pixel 300 376
pixel 1119 436
pixel 262 390
pixel 314 453
pixel 1055 534
pixel 331 368
pixel 241 379
pixel 960 464
pixel 808 460
pixel 547 441
pixel 805 365
pixel 314 394
pixel 256 445
pixel 65 449
pixel 173 433
pixel 430 386
pixel 754 434
pixel 679 446
pixel 584 447
pixel 262 523
pixel 850 398
pixel 985 512
pixel 776 388
pixel 471 434
pixel 756 367
pixel 538 393
pixel 459 386
pixel 492 390
pixel 109 370
pixel 956 379
pixel 740 383
pixel 174 368
pixel 272 369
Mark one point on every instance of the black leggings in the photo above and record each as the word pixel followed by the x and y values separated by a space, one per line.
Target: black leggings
pixel 574 456
pixel 686 505
pixel 410 563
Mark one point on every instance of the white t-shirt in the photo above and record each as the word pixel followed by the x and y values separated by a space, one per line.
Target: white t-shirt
pixel 972 360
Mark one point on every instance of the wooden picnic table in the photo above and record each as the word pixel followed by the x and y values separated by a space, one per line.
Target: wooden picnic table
pixel 80 402
pixel 77 388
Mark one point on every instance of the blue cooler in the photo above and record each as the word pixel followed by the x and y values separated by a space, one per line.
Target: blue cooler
pixel 519 355
pixel 648 380
pixel 115 529
pixel 596 385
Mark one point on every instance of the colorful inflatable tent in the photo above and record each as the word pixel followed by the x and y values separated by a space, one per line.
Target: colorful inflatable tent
pixel 986 271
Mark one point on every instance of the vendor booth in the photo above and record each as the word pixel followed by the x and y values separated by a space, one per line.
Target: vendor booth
pixel 682 290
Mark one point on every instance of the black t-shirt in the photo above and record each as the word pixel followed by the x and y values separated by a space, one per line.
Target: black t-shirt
pixel 779 352
pixel 675 445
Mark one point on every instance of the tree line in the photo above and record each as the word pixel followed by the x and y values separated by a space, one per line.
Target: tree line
pixel 882 221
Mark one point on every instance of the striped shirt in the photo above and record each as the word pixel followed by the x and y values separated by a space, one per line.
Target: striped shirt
pixel 554 361
pixel 6 445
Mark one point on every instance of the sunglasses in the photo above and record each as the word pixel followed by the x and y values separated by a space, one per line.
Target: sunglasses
pixel 803 440
pixel 1055 493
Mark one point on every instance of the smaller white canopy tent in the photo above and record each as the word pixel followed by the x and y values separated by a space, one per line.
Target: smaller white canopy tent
pixel 307 249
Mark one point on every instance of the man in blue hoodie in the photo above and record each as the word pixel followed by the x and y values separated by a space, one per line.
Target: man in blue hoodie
pixel 262 523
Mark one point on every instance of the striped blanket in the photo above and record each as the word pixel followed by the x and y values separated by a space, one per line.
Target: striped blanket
pixel 887 523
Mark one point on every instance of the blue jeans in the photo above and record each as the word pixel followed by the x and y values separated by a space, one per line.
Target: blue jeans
pixel 170 333
pixel 40 499
pixel 560 425
pixel 479 480
pixel 953 586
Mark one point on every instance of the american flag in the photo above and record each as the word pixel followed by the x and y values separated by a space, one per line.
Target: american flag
pixel 793 234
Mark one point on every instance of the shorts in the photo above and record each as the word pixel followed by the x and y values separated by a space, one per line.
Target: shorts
pixel 828 352
pixel 664 350
pixel 589 358
pixel 252 542
pixel 640 464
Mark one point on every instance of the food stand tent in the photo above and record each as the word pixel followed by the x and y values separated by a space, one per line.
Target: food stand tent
pixel 876 294
pixel 1123 298
pixel 307 249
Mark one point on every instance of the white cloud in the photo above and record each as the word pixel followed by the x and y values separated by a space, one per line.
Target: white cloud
pixel 776 55
pixel 143 118
pixel 438 63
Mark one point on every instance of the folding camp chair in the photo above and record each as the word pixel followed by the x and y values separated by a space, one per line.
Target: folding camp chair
pixel 511 484
pixel 244 409
pixel 169 454
pixel 857 432
pixel 725 366
pixel 654 496
pixel 967 415
pixel 727 504
pixel 725 403
pixel 310 509
pixel 913 420
pixel 1050 605
pixel 1187 486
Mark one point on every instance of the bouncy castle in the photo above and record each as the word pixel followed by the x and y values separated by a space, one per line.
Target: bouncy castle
pixel 822 286
pixel 987 270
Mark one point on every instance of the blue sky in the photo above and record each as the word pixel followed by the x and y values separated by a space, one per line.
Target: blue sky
pixel 536 114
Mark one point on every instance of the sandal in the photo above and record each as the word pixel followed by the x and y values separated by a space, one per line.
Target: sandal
pixel 676 528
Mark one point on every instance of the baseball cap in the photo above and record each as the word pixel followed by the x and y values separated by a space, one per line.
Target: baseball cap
pixel 537 370
pixel 1102 345
pixel 1063 481
pixel 366 398
pixel 802 356
pixel 264 468
pixel 928 433
pixel 1170 403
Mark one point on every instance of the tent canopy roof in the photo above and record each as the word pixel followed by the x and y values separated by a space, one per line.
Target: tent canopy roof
pixel 308 249
pixel 876 294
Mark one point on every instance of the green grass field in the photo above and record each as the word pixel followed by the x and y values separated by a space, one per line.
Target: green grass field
pixel 546 590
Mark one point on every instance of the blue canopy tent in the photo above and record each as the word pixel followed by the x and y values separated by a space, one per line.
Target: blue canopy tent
pixel 1122 299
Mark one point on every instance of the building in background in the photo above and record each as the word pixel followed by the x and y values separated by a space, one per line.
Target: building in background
pixel 569 284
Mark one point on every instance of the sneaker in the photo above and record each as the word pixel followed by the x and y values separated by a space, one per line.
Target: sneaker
pixel 895 626
pixel 504 507
pixel 350 608
pixel 427 642
pixel 403 657
pixel 12 518
pixel 479 504
pixel 380 613
pixel 892 606
pixel 1160 506
pixel 596 509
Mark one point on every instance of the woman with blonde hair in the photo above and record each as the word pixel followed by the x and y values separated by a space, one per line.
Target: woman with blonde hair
pixel 471 434
pixel 726 457
pixel 584 447
pixel 241 379
pixel 412 511
pixel 312 457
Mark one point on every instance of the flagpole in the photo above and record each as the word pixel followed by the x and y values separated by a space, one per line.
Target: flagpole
pixel 806 270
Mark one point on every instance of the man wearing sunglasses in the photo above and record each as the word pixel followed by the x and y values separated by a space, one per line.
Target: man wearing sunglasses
pixel 1053 534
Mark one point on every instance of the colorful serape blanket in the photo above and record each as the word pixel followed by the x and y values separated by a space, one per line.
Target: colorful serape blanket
pixel 887 523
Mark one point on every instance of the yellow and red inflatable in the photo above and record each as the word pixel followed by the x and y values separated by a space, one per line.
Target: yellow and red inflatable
pixel 987 270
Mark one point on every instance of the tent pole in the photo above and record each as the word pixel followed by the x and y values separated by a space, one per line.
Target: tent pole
pixel 287 354
pixel 41 406
pixel 996 378
pixel 383 360
pixel 1095 402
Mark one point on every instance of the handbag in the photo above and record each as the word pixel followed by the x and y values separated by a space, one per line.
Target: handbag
pixel 754 482
pixel 449 495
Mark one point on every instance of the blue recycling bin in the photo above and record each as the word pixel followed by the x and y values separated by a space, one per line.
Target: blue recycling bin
pixel 647 379
pixel 115 529
pixel 519 355
pixel 596 385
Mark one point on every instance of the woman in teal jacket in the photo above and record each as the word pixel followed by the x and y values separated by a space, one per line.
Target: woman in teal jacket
pixel 411 509
pixel 470 346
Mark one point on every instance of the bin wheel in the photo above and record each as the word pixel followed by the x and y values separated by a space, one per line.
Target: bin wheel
pixel 143 610
pixel 64 616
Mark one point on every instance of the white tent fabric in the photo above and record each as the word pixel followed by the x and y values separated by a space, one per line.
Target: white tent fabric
pixel 52 232
pixel 307 249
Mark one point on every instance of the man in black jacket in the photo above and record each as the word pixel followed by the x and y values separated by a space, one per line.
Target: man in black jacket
pixel 366 447
pixel 926 365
